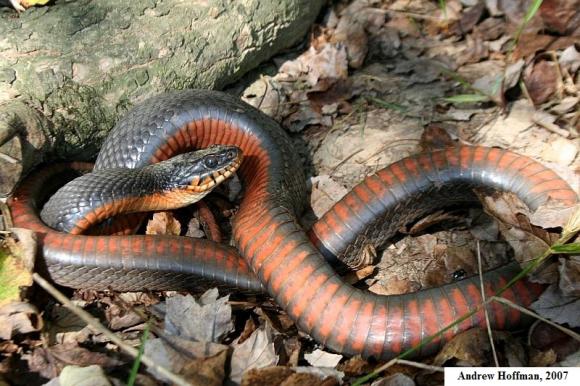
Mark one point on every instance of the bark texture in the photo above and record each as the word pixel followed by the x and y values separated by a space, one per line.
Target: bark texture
pixel 67 72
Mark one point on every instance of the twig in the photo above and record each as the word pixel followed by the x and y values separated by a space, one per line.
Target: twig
pixel 395 361
pixel 487 324
pixel 406 13
pixel 533 314
pixel 420 365
pixel 8 158
pixel 570 229
pixel 95 324
pixel 6 217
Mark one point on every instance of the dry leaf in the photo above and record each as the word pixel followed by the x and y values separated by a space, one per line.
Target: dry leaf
pixel 66 327
pixel 552 214
pixel 208 319
pixel 208 371
pixel 436 137
pixel 541 81
pixel 394 380
pixel 163 223
pixel 542 358
pixel 557 307
pixel 547 338
pixel 49 362
pixel 83 376
pixel 269 376
pixel 572 360
pixel 471 346
pixel 255 352
pixel 19 318
pixel 325 193
pixel 530 43
pixel 561 16
pixel 527 240
pixel 351 32
pixel 562 151
pixel 184 356
pixel 570 59
pixel 320 358
pixel 308 379
pixel 569 270
pixel 355 366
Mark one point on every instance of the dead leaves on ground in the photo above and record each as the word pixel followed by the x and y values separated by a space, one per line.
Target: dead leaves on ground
pixel 361 95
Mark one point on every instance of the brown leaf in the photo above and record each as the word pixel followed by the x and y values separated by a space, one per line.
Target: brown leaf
pixel 470 17
pixel 306 379
pixel 269 376
pixel 163 223
pixel 541 81
pixel 552 214
pixel 49 362
pixel 490 29
pixel 527 240
pixel 325 193
pixel 355 366
pixel 358 275
pixel 249 328
pixel 19 318
pixel 255 352
pixel 561 16
pixel 569 269
pixel 394 287
pixel 397 379
pixel 557 307
pixel 178 354
pixel 529 44
pixel 83 375
pixel 208 371
pixel 435 137
pixel 351 33
pixel 515 11
pixel 471 346
pixel 207 319
pixel 545 337
pixel 542 358
pixel 474 52
pixel 280 321
pixel 320 358
pixel 120 318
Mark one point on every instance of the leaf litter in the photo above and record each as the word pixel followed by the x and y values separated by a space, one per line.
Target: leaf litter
pixel 367 90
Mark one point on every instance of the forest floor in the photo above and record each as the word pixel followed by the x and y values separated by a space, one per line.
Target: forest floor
pixel 375 81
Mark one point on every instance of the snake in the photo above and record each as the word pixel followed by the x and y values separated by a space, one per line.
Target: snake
pixel 278 256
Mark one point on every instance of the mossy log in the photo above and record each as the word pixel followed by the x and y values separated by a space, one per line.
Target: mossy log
pixel 68 71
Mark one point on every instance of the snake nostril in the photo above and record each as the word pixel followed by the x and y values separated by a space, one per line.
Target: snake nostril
pixel 231 154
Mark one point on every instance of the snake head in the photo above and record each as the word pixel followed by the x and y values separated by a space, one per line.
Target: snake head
pixel 202 170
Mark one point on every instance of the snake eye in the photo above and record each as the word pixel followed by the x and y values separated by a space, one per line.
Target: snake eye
pixel 459 274
pixel 210 161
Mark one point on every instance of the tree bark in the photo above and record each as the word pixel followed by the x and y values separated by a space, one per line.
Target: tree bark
pixel 68 71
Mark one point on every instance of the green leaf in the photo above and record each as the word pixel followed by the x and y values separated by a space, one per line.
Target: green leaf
pixel 467 98
pixel 137 362
pixel 532 10
pixel 530 13
pixel 566 248
pixel 387 105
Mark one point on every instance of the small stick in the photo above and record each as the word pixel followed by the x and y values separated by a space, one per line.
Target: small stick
pixel 487 324
pixel 95 324
pixel 533 314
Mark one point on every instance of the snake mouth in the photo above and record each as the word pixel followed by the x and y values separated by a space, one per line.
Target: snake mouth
pixel 206 183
